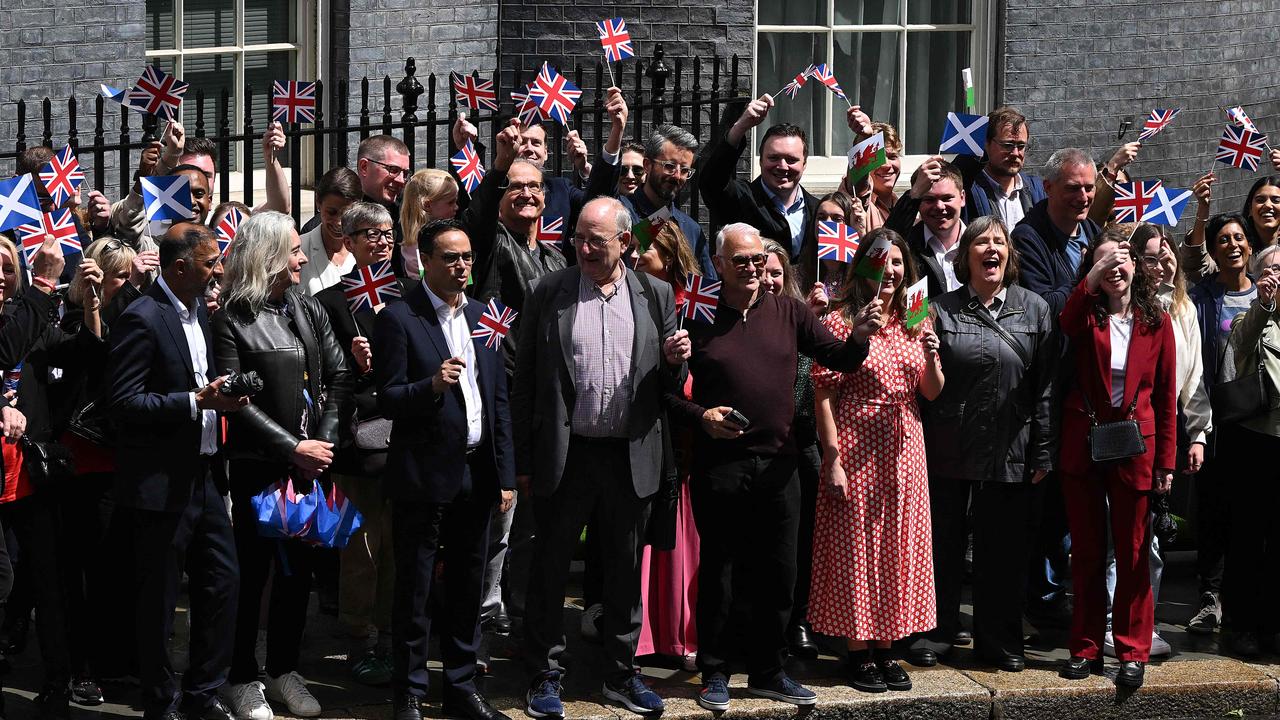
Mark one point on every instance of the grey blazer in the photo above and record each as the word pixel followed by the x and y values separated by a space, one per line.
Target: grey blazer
pixel 543 392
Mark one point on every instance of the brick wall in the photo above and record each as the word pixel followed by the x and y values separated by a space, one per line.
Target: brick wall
pixel 1075 68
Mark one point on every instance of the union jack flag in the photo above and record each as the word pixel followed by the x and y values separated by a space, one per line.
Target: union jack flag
pixel 615 39
pixel 156 93
pixel 1240 148
pixel 60 223
pixel 554 95
pixel 293 101
pixel 792 88
pixel 62 176
pixel 370 286
pixel 526 109
pixel 467 165
pixel 1158 121
pixel 494 324
pixel 227 228
pixel 474 93
pixel 1132 199
pixel 550 232
pixel 836 241
pixel 827 76
pixel 700 298
pixel 1237 116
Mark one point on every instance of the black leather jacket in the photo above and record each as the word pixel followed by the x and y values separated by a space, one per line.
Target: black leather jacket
pixel 294 350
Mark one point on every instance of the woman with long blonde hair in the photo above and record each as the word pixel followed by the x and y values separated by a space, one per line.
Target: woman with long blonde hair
pixel 429 195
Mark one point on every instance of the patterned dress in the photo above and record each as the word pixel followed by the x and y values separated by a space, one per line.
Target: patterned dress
pixel 872 553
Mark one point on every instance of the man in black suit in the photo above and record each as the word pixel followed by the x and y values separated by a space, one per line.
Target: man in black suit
pixel 167 412
pixel 450 463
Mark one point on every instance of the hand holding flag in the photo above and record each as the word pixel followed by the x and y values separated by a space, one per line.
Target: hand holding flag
pixel 60 224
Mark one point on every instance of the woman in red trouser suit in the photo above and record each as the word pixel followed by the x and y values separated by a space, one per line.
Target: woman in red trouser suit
pixel 1114 305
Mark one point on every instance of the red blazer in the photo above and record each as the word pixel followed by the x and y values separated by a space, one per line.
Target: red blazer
pixel 1150 374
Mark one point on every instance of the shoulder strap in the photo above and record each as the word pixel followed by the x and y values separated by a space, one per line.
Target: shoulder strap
pixel 985 317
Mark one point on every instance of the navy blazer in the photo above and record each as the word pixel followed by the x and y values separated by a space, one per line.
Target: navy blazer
pixel 429 436
pixel 150 380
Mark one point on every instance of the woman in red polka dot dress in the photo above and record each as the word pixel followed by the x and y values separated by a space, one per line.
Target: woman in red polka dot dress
pixel 872 549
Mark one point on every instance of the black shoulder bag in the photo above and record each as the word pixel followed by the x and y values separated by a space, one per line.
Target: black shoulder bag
pixel 1242 398
pixel 1114 440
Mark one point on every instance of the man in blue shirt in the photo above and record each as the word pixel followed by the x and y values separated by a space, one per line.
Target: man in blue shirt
pixel 668 165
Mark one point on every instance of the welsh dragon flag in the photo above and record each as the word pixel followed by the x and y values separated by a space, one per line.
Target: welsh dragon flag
pixel 917 303
pixel 872 265
pixel 647 229
pixel 865 157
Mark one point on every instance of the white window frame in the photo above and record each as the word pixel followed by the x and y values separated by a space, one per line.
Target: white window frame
pixel 827 169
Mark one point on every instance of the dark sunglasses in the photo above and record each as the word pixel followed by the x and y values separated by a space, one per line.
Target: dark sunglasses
pixel 637 170
pixel 741 261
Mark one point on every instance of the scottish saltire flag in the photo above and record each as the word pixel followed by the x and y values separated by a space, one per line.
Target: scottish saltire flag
pixel 554 95
pixel 468 168
pixel 494 324
pixel 293 101
pixel 1240 147
pixel 167 197
pixel 111 93
pixel 615 39
pixel 792 88
pixel 61 224
pixel 836 241
pixel 872 265
pixel 335 520
pixel 550 231
pixel 370 286
pixel 964 134
pixel 19 203
pixel 1133 199
pixel 62 176
pixel 157 93
pixel 473 93
pixel 825 75
pixel 283 511
pixel 1166 206
pixel 700 298
pixel 917 303
pixel 1158 120
pixel 227 228
pixel 1237 116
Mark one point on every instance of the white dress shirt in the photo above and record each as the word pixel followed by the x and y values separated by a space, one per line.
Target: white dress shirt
pixel 946 257
pixel 319 273
pixel 457 334
pixel 1009 206
pixel 199 350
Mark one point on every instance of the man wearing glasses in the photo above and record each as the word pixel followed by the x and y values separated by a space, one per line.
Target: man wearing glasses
pixel 382 162
pixel 1000 187
pixel 668 166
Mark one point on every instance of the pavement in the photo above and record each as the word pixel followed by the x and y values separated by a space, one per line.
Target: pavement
pixel 1195 682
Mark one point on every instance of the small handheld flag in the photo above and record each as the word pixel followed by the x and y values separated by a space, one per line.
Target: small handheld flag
pixel 647 229
pixel 61 224
pixel 836 241
pixel 792 88
pixel 865 157
pixel 1132 199
pixel 615 39
pixel 167 197
pixel 550 232
pixel 1237 116
pixel 1157 121
pixel 700 298
pixel 156 93
pixel 824 74
pixel 227 228
pixel 872 265
pixel 19 203
pixel 964 134
pixel 473 93
pixel 62 176
pixel 917 303
pixel 293 101
pixel 554 95
pixel 967 76
pixel 467 165
pixel 370 286
pixel 112 94
pixel 525 108
pixel 1166 206
pixel 1240 147
pixel 494 324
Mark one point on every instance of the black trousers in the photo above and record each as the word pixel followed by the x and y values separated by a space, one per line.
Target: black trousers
pixel 199 539
pixel 292 561
pixel 1251 585
pixel 808 474
pixel 37 524
pixel 747 510
pixel 1049 565
pixel 456 533
pixel 1214 486
pixel 597 480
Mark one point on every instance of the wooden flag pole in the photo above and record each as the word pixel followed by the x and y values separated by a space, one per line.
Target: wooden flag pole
pixel 609 66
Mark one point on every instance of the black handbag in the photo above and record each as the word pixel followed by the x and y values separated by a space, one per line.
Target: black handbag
pixel 1242 398
pixel 47 464
pixel 91 423
pixel 1114 440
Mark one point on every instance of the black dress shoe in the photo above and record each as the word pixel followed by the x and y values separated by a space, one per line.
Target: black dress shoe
pixel 963 638
pixel 406 708
pixel 499 624
pixel 922 657
pixel 865 676
pixel 800 640
pixel 471 706
pixel 216 711
pixel 895 678
pixel 1078 668
pixel 1007 662
pixel 1130 674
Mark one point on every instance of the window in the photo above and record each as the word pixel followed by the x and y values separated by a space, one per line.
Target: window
pixel 218 45
pixel 899 59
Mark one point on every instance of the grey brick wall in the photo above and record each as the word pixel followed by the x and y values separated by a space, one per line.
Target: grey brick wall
pixel 60 51
pixel 1076 67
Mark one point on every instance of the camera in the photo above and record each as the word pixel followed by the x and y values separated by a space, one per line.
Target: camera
pixel 238 384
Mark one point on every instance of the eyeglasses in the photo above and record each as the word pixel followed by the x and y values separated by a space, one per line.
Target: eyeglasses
pixel 374 235
pixel 595 242
pixel 452 258
pixel 534 188
pixel 1151 260
pixel 1011 146
pixel 636 170
pixel 741 261
pixel 671 168
pixel 392 170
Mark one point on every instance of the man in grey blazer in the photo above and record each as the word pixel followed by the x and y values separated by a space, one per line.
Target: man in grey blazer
pixel 598 352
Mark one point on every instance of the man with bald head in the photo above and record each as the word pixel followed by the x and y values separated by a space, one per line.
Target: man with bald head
pixel 597 446
pixel 745 492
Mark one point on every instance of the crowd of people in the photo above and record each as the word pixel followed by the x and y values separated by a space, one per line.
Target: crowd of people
pixel 803 461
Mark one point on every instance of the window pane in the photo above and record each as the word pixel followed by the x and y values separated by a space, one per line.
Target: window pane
pixel 212 74
pixel 794 12
pixel 870 12
pixel 782 56
pixel 208 23
pixel 934 87
pixel 939 12
pixel 160 25
pixel 269 21
pixel 866 66
pixel 259 70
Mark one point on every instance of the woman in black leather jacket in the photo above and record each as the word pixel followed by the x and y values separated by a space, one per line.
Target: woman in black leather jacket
pixel 288 430
pixel 988 433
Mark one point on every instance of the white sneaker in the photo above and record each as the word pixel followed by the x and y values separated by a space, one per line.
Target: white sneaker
pixel 245 701
pixel 1159 646
pixel 689 663
pixel 590 627
pixel 291 689
pixel 1109 645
